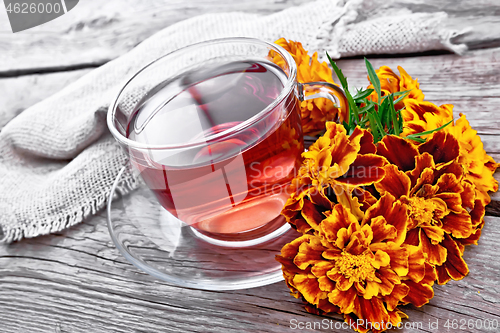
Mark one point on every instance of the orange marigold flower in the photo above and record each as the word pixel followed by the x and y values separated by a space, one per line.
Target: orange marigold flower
pixel 479 166
pixel 357 268
pixel 335 165
pixel 317 111
pixel 421 116
pixel 390 83
pixel 440 200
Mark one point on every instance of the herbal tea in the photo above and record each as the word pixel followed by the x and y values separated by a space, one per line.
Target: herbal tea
pixel 226 169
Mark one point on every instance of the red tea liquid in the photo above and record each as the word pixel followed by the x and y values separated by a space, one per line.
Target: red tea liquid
pixel 218 180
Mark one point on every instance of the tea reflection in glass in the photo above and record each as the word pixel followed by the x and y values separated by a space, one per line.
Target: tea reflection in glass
pixel 234 162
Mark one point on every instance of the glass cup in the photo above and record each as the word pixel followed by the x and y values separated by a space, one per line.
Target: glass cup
pixel 214 130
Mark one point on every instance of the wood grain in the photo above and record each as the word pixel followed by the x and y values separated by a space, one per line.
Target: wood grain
pixel 77 281
pixel 91 35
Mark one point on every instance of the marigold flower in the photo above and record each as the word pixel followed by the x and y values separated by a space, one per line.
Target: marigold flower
pixel 479 166
pixel 440 200
pixel 421 116
pixel 390 83
pixel 317 111
pixel 334 166
pixel 357 268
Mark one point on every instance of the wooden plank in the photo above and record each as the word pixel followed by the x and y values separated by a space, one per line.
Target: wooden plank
pixel 96 32
pixel 78 282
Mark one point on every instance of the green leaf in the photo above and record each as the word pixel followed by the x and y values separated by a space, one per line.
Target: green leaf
pixel 338 72
pixel 384 112
pixel 379 126
pixel 366 108
pixel 418 135
pixel 363 94
pixel 396 101
pixel 420 140
pixel 373 78
pixel 399 93
pixel 353 108
pixel 394 120
pixel 373 127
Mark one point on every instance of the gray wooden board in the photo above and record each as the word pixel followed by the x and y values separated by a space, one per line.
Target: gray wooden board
pixel 96 32
pixel 77 281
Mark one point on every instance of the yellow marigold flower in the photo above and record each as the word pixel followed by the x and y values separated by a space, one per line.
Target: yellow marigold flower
pixel 317 111
pixel 479 166
pixel 358 268
pixel 390 83
pixel 440 200
pixel 335 164
pixel 421 116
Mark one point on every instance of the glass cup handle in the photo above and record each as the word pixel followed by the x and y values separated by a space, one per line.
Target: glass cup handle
pixel 326 90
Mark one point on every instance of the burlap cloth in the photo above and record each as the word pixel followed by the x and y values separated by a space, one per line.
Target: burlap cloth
pixel 57 158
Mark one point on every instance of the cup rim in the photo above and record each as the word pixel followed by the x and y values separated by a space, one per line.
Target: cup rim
pixel 291 81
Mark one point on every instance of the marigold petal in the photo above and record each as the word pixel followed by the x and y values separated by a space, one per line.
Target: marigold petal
pixel 311 214
pixel 398 151
pixel 434 233
pixel 468 196
pixel 474 237
pixel 477 214
pixel 343 283
pixel 346 199
pixel 365 170
pixel 357 244
pixel 453 201
pixel 419 293
pixel 422 162
pixel 416 263
pixel 394 213
pixel 430 275
pixel 442 146
pixel 339 218
pixel 382 230
pixel 413 237
pixel 423 184
pixel 355 324
pixel 436 254
pixel 398 294
pixel 325 284
pixel 366 142
pixel 381 259
pixel 344 151
pixel 309 252
pixel 398 255
pixel 343 299
pixel 372 289
pixel 455 265
pixel 449 183
pixel 395 182
pixel 308 286
pixel 458 224
pixel 388 280
pixel 372 310
pixel 396 316
pixel 442 275
pixel 332 254
pixel 321 268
